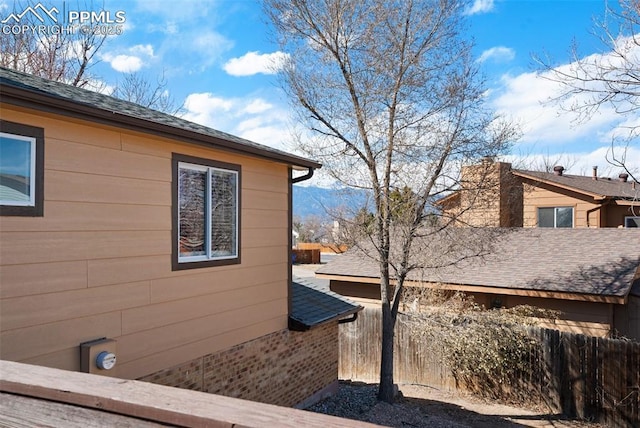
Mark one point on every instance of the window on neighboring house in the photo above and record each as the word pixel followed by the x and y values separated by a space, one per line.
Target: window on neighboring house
pixel 21 169
pixel 555 217
pixel 206 213
pixel 632 221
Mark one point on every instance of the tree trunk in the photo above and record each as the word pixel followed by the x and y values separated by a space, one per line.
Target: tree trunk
pixel 386 391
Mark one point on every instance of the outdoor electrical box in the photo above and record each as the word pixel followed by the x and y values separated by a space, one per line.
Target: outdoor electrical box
pixel 98 356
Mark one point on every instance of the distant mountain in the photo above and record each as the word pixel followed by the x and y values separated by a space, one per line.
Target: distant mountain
pixel 316 200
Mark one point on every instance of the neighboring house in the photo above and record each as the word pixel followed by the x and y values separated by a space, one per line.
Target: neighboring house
pixel 592 276
pixel 510 197
pixel 154 240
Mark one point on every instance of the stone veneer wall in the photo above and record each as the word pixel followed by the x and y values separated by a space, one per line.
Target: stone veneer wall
pixel 283 368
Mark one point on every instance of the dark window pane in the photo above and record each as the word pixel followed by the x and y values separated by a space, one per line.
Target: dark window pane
pixel 564 217
pixel 191 211
pixel 545 217
pixel 223 213
pixel 16 170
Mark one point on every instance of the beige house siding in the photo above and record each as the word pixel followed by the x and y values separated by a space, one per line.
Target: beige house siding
pixel 590 318
pixel 539 196
pixel 613 215
pixel 493 195
pixel 98 263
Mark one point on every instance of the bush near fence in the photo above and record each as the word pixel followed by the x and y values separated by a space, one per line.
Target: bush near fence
pixel 579 376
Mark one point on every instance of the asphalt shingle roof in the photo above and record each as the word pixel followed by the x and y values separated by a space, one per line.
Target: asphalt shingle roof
pixel 312 305
pixel 601 262
pixel 118 109
pixel 603 186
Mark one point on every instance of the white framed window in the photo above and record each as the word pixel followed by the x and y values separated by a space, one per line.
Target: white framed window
pixel 206 213
pixel 632 221
pixel 555 217
pixel 21 169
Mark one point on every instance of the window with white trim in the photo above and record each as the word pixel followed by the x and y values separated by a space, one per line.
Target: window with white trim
pixel 555 217
pixel 206 213
pixel 21 169
pixel 632 221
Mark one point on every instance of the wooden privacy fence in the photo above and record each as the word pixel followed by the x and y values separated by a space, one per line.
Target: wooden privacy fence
pixel 580 376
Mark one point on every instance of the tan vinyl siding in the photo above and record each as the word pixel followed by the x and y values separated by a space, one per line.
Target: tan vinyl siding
pixel 539 197
pixel 592 319
pixel 38 278
pixel 98 264
pixel 614 214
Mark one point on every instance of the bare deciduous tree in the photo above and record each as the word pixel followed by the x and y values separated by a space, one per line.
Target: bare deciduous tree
pixel 67 56
pixel 64 56
pixel 136 88
pixel 610 78
pixel 395 106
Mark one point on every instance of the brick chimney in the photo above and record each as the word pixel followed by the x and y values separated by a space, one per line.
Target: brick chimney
pixel 491 196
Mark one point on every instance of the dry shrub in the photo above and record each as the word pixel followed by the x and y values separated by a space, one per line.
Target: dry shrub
pixel 488 351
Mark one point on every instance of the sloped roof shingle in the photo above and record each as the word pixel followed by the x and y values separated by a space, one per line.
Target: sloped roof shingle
pixel 312 305
pixel 32 91
pixel 602 187
pixel 601 262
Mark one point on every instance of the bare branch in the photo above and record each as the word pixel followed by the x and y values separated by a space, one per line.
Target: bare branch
pixel 394 105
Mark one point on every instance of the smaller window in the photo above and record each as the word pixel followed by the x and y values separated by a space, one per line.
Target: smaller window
pixel 21 169
pixel 207 213
pixel 555 217
pixel 632 221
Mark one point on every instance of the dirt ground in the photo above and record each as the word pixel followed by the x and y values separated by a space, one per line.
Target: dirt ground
pixel 422 406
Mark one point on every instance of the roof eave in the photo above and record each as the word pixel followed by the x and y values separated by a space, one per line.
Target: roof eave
pixel 57 105
pixel 561 295
pixel 296 324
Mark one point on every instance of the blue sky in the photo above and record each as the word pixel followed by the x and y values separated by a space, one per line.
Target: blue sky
pixel 214 55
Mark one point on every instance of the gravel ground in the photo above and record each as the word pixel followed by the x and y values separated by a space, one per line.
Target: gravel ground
pixel 421 406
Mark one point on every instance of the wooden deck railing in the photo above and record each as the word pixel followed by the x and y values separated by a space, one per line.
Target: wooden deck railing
pixel 152 402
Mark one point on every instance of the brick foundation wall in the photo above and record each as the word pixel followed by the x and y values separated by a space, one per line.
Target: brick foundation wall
pixel 283 368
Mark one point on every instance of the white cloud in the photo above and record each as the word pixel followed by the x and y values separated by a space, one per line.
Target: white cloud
pixel 145 50
pixel 498 54
pixel 131 59
pixel 526 99
pixel 258 106
pixel 253 63
pixel 582 162
pixel 480 6
pixel 553 132
pixel 126 63
pixel 252 118
pixel 207 109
